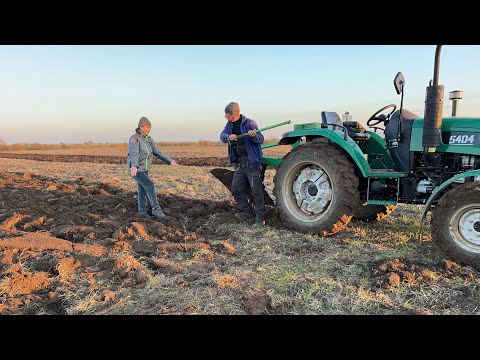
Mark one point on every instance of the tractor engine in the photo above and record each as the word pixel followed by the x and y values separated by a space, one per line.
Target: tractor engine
pixel 470 162
pixel 419 187
pixel 460 162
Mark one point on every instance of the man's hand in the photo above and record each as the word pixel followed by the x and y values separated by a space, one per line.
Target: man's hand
pixel 232 137
pixel 174 163
pixel 133 171
pixel 252 133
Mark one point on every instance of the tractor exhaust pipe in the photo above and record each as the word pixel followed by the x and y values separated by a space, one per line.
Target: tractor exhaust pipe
pixel 455 96
pixel 433 114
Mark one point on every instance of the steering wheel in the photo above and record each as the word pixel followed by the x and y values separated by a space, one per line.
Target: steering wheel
pixel 382 118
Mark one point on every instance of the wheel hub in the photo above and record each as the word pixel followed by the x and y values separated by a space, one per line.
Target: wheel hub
pixel 469 226
pixel 476 226
pixel 312 190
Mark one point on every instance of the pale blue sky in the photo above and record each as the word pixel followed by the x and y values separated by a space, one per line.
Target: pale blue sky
pixel 77 93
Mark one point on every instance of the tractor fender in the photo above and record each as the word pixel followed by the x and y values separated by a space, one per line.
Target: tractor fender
pixel 337 137
pixel 439 190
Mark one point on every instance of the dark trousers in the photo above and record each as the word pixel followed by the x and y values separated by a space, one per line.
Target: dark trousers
pixel 245 174
pixel 146 190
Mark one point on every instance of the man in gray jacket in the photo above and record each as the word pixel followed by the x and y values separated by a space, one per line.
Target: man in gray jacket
pixel 141 149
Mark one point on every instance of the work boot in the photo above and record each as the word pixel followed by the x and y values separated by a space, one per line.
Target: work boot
pixel 158 213
pixel 243 216
pixel 259 222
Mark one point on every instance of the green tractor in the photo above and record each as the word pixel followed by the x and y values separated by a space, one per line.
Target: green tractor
pixel 338 171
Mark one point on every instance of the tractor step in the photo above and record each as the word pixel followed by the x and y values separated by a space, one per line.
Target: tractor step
pixel 382 173
pixel 381 202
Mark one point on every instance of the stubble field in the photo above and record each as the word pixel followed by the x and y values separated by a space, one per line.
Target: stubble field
pixel 71 243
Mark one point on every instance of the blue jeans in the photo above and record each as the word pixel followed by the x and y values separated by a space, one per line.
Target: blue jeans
pixel 146 189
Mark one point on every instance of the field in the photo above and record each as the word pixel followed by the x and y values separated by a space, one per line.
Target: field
pixel 71 243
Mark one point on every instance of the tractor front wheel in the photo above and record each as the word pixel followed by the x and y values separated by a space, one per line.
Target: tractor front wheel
pixel 455 224
pixel 316 189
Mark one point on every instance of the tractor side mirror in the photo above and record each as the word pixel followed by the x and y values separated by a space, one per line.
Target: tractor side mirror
pixel 399 83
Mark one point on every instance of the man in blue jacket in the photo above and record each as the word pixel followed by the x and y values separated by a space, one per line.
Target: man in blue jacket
pixel 245 154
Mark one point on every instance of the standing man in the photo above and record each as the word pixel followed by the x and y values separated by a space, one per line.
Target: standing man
pixel 245 154
pixel 141 149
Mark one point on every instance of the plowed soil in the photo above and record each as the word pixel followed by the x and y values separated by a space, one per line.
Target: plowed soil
pixel 56 236
pixel 106 159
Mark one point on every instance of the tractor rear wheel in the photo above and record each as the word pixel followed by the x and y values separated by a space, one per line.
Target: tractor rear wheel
pixel 368 213
pixel 455 224
pixel 316 189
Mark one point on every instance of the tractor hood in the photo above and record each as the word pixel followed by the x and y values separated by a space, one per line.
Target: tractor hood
pixel 454 123
pixel 459 135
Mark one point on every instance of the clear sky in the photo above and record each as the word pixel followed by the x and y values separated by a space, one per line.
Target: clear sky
pixel 78 93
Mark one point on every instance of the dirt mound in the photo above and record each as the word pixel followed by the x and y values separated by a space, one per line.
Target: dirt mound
pixel 105 159
pixel 62 236
pixel 394 273
pixel 257 303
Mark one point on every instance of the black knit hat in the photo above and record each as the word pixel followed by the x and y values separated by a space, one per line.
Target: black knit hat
pixel 232 109
pixel 144 121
